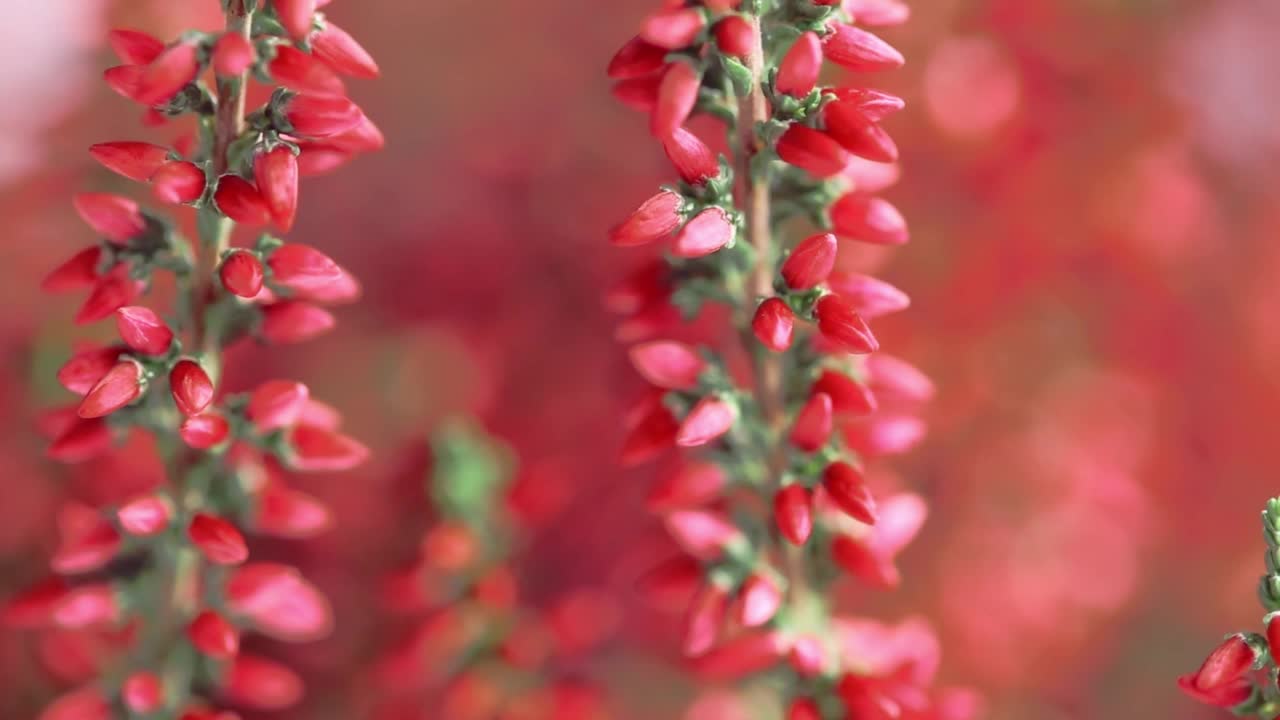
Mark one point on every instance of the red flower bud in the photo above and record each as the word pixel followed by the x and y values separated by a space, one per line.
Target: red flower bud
pixel 847 125
pixel 774 324
pixel 110 293
pixel 119 387
pixel 672 583
pixel 191 387
pixel 320 116
pixel 640 93
pixel 798 72
pixel 636 59
pixel 276 174
pixel 178 183
pixel 803 709
pixel 261 684
pixel 34 606
pixel 747 653
pixel 204 431
pixel 88 606
pixel 868 219
pixel 296 16
pixel 319 449
pixel 874 104
pixel 812 151
pixel 80 271
pixel 878 13
pixel 813 424
pixel 653 432
pixel 241 274
pixel 691 157
pixel 848 397
pixel 840 324
pixel 134 160
pixel 706 233
pixel 218 540
pixel 277 403
pixel 87 367
pixel 116 218
pixel 289 514
pixel 793 513
pixel 167 74
pixel 1226 664
pixel 232 55
pixel 808 656
pixel 811 262
pixel 858 50
pixel 143 330
pixel 656 219
pixel 300 268
pixel 87 544
pixel 337 49
pixel 673 29
pixel 142 693
pixel 239 200
pixel 692 485
pixel 279 602
pixel 702 533
pixel 709 419
pixel 213 636
pixel 677 95
pixel 668 364
pixel 124 80
pixel 134 47
pixel 872 298
pixel 735 37
pixel 888 375
pixel 760 599
pixel 294 322
pixel 703 620
pixel 145 516
pixel 303 72
pixel 85 704
pixel 846 486
pixel 84 440
pixel 883 435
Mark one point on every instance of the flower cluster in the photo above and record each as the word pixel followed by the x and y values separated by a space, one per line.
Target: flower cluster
pixel 152 588
pixel 788 409
pixel 1241 673
pixel 477 648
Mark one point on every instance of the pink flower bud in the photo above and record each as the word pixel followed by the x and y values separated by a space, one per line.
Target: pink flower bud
pixel 142 693
pixel 276 174
pixel 303 72
pixel 872 298
pixel 260 684
pixel 812 151
pixel 872 559
pixel 858 50
pixel 110 293
pixel 124 80
pixel 134 160
pixel 636 59
pixel 774 324
pixel 846 486
pixel 803 709
pixel 178 183
pixel 746 654
pixel 88 606
pixel 167 74
pixel 85 704
pixel 218 540
pixel 143 330
pixel 798 72
pixel 84 440
pixel 847 125
pixel 840 324
pixel 813 424
pixel 704 618
pixel 793 513
pixel 202 432
pixel 885 435
pixel 691 157
pixel 811 262
pixel 296 16
pixel 874 104
pixel 652 433
pixel 239 200
pixel 888 375
pixel 709 419
pixel 1226 664
pixel 320 116
pixel 300 268
pixel 276 403
pixel 848 397
pixel 87 367
pixel 759 600
pixel 118 388
pixel 88 547
pixel 668 364
pixel 80 271
pixel 337 49
pixel 191 387
pixel 878 13
pixel 134 47
pixel 242 274
pixel 735 37
pixel 318 449
pixel 677 95
pixel 116 218
pixel 706 233
pixel 640 93
pixel 702 533
pixel 869 219
pixel 287 513
pixel 673 29
pixel 145 516
pixel 213 636
pixel 294 322
pixel 692 485
pixel 232 55
pixel 656 219
pixel 277 601
pixel 808 656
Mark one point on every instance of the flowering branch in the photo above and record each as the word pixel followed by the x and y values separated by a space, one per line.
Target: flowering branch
pixel 780 498
pixel 1241 673
pixel 163 574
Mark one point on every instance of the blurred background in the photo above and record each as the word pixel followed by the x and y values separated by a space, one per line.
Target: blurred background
pixel 1094 193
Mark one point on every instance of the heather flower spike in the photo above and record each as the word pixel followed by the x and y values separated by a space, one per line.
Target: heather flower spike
pixel 787 440
pixel 172 564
